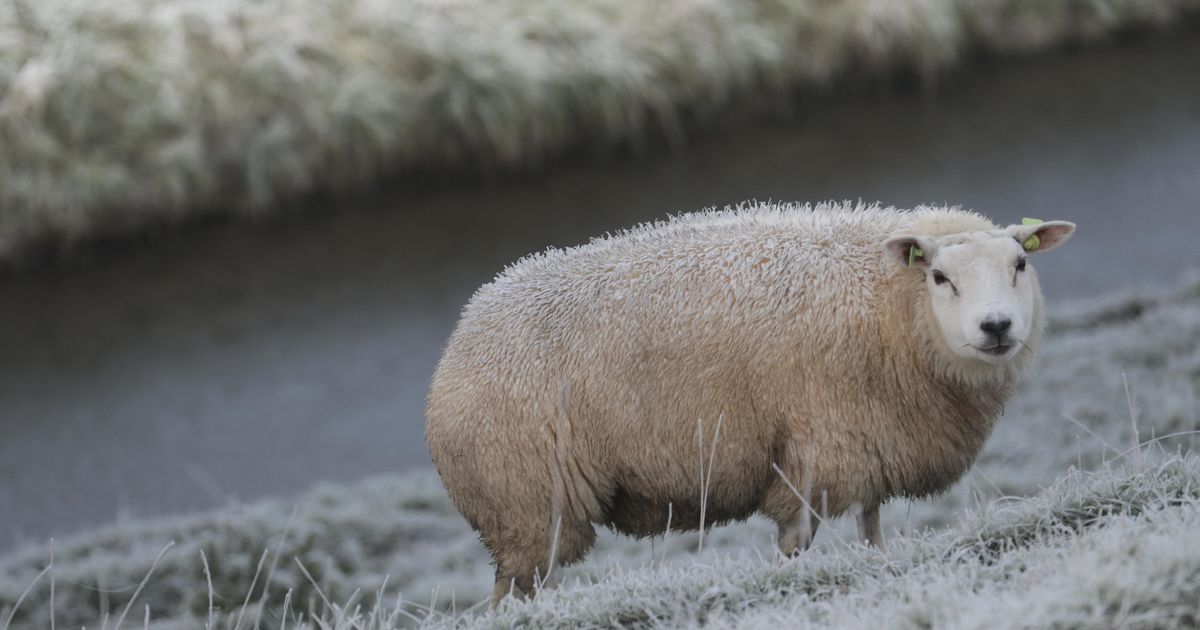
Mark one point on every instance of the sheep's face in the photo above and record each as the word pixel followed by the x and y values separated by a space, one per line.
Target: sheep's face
pixel 981 288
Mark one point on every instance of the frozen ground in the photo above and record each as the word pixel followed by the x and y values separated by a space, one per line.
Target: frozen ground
pixel 1105 550
pixel 1110 547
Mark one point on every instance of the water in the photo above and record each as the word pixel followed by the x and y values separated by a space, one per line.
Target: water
pixel 235 361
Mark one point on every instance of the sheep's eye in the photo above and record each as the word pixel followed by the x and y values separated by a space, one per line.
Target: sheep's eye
pixel 939 277
pixel 1021 264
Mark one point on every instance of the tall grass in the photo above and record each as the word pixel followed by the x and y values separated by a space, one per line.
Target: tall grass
pixel 119 114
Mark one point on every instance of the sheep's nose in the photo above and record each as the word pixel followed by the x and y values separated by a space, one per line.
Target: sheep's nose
pixel 996 326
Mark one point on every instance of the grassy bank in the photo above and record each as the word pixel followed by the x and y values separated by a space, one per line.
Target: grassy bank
pixel 1110 548
pixel 1106 549
pixel 1108 365
pixel 127 113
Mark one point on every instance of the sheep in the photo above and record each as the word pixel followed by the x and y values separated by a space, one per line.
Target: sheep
pixel 846 354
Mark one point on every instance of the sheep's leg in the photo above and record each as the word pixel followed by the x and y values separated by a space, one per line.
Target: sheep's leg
pixel 524 563
pixel 796 534
pixel 504 587
pixel 522 583
pixel 520 587
pixel 868 526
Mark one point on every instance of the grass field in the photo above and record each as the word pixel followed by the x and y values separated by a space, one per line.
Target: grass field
pixel 124 114
pixel 1063 519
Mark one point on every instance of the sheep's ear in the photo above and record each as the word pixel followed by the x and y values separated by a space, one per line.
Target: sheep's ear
pixel 909 251
pixel 1041 236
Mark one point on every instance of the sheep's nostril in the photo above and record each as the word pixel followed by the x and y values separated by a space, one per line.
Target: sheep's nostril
pixel 996 326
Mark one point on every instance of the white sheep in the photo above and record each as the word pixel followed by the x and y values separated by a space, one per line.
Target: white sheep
pixel 846 355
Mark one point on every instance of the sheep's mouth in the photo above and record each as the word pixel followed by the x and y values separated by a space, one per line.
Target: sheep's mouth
pixel 996 349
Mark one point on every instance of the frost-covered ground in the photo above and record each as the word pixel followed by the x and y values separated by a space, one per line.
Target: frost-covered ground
pixel 1113 549
pixel 120 114
pixel 1110 547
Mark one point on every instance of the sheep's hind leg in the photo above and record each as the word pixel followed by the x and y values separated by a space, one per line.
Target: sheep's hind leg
pixel 520 587
pixel 522 562
pixel 796 533
pixel 868 526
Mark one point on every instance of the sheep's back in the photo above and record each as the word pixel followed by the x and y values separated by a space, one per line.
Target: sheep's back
pixel 709 274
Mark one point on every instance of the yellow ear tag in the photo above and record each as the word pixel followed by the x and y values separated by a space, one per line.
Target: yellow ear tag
pixel 914 253
pixel 1033 242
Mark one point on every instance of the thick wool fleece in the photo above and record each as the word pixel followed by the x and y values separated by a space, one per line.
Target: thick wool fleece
pixel 584 386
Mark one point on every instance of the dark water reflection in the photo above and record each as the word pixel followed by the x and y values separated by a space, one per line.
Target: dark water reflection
pixel 235 361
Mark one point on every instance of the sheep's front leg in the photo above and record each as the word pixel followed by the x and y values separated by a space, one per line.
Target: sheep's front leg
pixel 868 526
pixel 796 534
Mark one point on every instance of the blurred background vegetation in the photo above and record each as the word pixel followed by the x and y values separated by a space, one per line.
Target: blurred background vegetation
pixel 124 114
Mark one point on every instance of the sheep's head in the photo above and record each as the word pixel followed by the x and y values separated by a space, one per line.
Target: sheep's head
pixel 981 289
